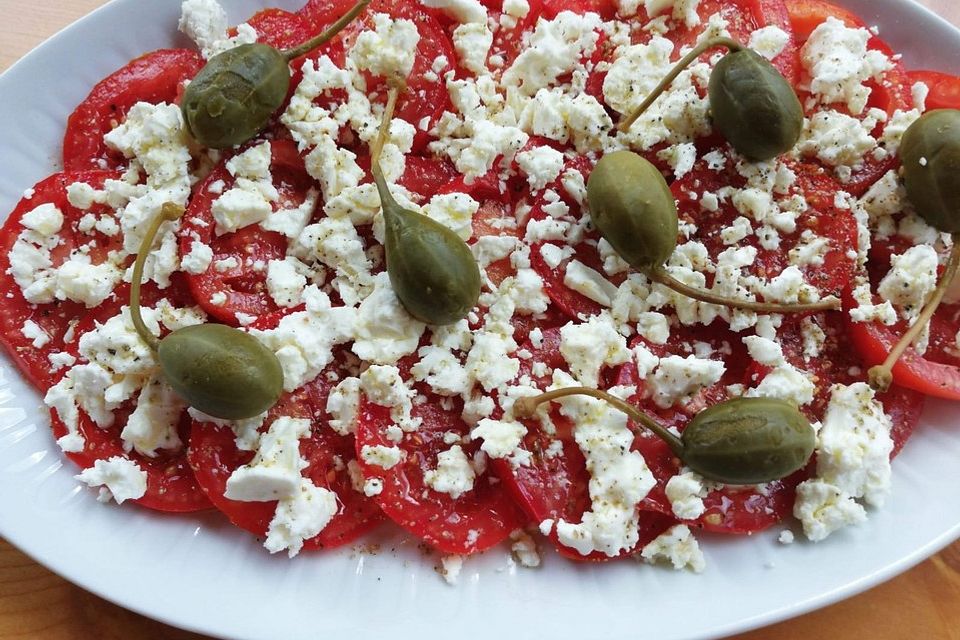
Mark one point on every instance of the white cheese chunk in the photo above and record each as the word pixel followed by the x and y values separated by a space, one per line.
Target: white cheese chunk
pixel 119 479
pixel 678 547
pixel 454 474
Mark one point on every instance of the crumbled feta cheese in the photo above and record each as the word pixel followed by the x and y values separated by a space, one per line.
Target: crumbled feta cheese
pixel 678 547
pixel 119 479
pixel 589 346
pixel 472 42
pixel 619 478
pixel 389 50
pixel 381 456
pixel 275 471
pixel 686 492
pixel 680 378
pixel 769 41
pixel 555 47
pixel 466 11
pixel 911 279
pixel 542 166
pixel 839 62
pixel 454 475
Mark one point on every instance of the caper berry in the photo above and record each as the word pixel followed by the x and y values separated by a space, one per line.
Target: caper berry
pixel 234 95
pixel 748 441
pixel 633 209
pixel 740 441
pixel 752 104
pixel 222 371
pixel 432 270
pixel 930 157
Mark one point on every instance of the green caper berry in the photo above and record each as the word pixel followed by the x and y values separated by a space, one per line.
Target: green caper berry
pixel 748 441
pixel 740 441
pixel 432 270
pixel 235 94
pixel 217 369
pixel 222 371
pixel 633 209
pixel 753 106
pixel 930 156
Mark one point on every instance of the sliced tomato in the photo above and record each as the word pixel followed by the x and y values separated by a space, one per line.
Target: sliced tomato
pixel 155 77
pixel 425 97
pixel 874 341
pixel 555 484
pixel 507 40
pixel 944 88
pixel 171 485
pixel 55 318
pixel 837 363
pixel 214 456
pixel 477 520
pixel 281 29
pixel 807 15
pixel 821 217
pixel 743 18
pixel 427 175
pixel 252 247
pixel 606 8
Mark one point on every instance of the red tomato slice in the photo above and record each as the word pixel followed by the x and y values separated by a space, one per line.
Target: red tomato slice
pixel 554 485
pixel 944 88
pixel 171 485
pixel 837 363
pixel 155 77
pixel 424 98
pixel 214 456
pixel 807 15
pixel 891 93
pixel 606 8
pixel 281 29
pixel 427 176
pixel 874 341
pixel 473 522
pixel 821 217
pixel 252 247
pixel 507 41
pixel 731 509
pixel 55 318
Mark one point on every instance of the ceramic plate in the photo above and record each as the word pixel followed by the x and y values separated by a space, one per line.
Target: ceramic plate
pixel 199 573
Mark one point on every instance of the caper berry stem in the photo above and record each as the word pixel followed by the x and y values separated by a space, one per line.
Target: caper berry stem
pixel 527 407
pixel 880 377
pixel 328 34
pixel 168 212
pixel 382 135
pixel 695 53
pixel 660 276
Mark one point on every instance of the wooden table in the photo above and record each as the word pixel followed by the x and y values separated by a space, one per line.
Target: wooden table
pixel 35 603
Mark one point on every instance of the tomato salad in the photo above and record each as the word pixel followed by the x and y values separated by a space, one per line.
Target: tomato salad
pixel 496 115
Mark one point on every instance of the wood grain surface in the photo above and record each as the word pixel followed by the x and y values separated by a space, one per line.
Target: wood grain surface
pixel 923 603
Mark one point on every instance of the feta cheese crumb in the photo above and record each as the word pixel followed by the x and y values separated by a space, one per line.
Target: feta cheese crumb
pixel 454 474
pixel 678 547
pixel 119 479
